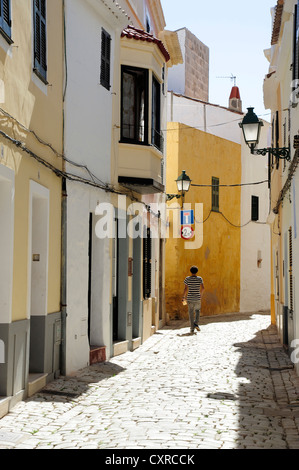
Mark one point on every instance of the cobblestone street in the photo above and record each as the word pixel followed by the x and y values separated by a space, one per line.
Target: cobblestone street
pixel 230 386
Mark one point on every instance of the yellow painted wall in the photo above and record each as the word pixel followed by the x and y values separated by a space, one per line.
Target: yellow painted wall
pixel 203 156
pixel 36 107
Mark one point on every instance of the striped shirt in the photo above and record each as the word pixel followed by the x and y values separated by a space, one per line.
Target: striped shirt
pixel 193 283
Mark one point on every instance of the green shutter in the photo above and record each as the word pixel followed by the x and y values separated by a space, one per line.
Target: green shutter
pixel 5 18
pixel 215 194
pixel 105 59
pixel 40 38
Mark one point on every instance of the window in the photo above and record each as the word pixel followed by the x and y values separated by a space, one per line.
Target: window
pixel 254 208
pixel 134 107
pixel 157 139
pixel 5 19
pixel 105 59
pixel 40 39
pixel 215 194
pixel 147 271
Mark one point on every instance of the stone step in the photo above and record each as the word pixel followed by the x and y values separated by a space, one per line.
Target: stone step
pixel 97 354
pixel 35 383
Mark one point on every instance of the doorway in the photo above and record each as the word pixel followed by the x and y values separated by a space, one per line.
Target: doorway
pixel 38 279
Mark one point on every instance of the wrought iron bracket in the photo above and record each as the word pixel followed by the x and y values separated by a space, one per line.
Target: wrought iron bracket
pixel 283 153
pixel 172 196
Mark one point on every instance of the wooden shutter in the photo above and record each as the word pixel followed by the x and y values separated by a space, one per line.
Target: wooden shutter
pixel 147 264
pixel 105 59
pixel 296 45
pixel 5 17
pixel 215 194
pixel 277 137
pixel 40 38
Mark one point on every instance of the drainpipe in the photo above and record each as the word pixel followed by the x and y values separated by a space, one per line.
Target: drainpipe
pixel 63 234
pixel 63 275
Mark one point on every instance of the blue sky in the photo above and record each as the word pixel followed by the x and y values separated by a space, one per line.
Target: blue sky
pixel 236 32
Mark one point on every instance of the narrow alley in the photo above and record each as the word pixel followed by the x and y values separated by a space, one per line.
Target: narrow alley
pixel 230 386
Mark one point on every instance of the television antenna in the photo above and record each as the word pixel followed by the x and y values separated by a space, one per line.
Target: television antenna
pixel 232 77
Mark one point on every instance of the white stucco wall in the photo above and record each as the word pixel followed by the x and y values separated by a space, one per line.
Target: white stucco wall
pixel 255 237
pixel 80 204
pixel 207 117
pixel 88 142
pixel 88 105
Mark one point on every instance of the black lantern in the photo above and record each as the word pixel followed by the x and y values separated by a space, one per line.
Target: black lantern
pixel 251 126
pixel 183 184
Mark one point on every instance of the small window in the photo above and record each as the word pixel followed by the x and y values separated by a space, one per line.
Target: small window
pixel 105 59
pixel 254 208
pixel 134 106
pixel 215 194
pixel 40 39
pixel 5 19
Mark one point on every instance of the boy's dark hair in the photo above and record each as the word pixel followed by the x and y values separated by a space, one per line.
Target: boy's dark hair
pixel 194 270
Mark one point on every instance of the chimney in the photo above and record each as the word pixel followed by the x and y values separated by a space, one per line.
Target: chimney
pixel 235 102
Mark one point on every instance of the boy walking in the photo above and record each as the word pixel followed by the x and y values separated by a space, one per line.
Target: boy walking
pixel 194 287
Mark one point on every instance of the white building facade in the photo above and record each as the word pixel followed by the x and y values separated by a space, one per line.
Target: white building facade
pixel 92 48
pixel 281 97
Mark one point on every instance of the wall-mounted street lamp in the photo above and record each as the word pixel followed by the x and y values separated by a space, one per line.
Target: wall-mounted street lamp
pixel 183 184
pixel 251 126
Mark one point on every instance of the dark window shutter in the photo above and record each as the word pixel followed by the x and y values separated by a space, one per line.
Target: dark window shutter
pixel 291 279
pixel 5 17
pixel 40 38
pixel 254 208
pixel 105 59
pixel 277 136
pixel 296 44
pixel 215 194
pixel 147 264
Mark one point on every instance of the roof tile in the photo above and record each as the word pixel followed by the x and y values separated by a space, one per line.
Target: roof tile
pixel 134 33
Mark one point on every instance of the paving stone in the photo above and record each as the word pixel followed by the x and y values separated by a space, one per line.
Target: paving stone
pixel 229 387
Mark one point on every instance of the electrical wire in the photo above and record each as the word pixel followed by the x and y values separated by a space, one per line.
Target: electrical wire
pixel 229 185
pixel 234 225
pixel 58 154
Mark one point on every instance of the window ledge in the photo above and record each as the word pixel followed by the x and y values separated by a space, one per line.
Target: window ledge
pixel 39 75
pixel 6 37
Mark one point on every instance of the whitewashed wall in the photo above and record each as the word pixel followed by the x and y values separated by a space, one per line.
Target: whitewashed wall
pixel 255 237
pixel 88 142
pixel 206 117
